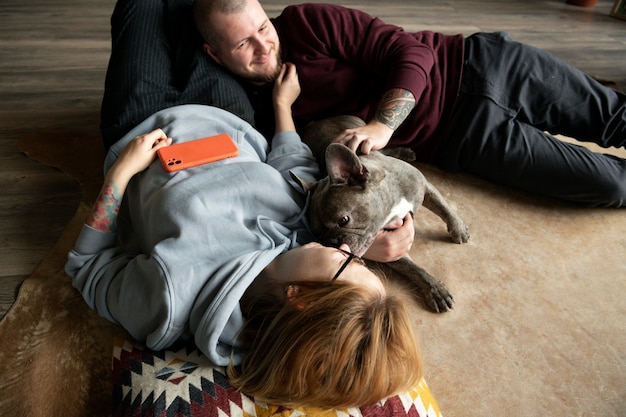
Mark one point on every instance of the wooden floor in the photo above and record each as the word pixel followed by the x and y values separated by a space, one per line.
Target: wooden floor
pixel 53 57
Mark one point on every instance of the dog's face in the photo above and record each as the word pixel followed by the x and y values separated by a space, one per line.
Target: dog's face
pixel 344 206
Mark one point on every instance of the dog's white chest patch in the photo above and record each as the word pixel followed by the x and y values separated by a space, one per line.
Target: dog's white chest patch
pixel 399 210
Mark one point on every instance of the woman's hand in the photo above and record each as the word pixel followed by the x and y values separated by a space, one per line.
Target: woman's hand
pixel 286 91
pixel 392 242
pixel 287 86
pixel 364 139
pixel 139 154
pixel 136 156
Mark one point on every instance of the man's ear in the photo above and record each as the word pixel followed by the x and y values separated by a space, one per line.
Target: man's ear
pixel 211 52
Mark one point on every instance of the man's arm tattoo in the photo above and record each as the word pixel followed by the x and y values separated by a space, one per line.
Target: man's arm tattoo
pixel 104 213
pixel 395 106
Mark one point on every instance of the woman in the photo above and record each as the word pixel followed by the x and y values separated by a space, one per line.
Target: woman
pixel 221 253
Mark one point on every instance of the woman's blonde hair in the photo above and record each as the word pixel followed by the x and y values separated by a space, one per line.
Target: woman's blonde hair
pixel 344 347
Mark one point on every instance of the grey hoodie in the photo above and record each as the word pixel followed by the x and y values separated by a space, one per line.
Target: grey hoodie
pixel 191 242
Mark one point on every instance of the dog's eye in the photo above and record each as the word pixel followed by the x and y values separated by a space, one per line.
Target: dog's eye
pixel 343 221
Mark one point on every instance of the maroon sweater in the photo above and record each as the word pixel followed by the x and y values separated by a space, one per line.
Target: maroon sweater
pixel 346 60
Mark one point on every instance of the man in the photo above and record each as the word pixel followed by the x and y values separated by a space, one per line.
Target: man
pixel 480 104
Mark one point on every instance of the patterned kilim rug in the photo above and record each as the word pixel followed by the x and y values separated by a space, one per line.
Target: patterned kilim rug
pixel 539 326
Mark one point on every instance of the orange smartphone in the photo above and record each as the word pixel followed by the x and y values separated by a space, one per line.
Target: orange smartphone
pixel 197 152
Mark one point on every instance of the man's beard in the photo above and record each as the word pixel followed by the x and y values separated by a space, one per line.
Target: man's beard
pixel 271 77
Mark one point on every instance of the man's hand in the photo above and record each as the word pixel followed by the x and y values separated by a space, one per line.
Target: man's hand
pixel 393 108
pixel 393 241
pixel 364 139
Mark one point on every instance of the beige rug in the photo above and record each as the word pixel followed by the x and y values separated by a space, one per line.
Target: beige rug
pixel 539 327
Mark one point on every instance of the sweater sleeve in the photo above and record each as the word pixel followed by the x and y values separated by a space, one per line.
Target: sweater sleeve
pixel 289 153
pixel 111 281
pixel 396 57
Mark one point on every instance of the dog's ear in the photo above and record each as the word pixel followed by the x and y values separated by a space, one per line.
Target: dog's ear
pixel 306 185
pixel 344 166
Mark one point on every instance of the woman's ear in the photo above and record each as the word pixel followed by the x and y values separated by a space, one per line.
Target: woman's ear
pixel 291 293
pixel 211 52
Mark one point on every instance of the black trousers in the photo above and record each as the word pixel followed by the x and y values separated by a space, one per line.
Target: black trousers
pixel 157 62
pixel 511 95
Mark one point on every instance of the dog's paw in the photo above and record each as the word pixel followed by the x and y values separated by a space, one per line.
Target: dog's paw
pixel 424 287
pixel 404 154
pixel 459 232
pixel 439 299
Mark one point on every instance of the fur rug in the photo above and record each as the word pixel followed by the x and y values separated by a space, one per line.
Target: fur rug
pixel 55 352
pixel 539 326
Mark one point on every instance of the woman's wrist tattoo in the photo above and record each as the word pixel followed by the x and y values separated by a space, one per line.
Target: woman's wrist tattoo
pixel 106 209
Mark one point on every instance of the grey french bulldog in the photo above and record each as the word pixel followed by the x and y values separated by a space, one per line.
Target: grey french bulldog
pixel 361 194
